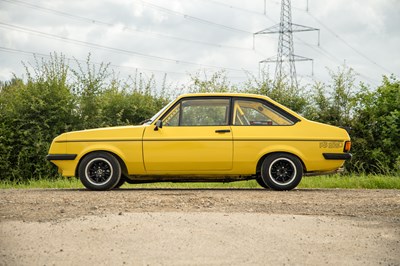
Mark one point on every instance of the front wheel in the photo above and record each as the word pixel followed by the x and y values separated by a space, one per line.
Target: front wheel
pixel 121 181
pixel 99 171
pixel 281 171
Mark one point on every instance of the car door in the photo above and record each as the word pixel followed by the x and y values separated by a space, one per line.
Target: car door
pixel 256 126
pixel 195 138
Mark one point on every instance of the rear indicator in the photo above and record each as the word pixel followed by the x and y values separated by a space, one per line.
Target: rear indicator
pixel 347 146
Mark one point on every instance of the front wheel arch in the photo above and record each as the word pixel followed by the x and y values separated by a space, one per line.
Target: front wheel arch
pixel 124 169
pixel 99 171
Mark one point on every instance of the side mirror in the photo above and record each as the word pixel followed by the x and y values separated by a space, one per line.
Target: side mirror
pixel 158 125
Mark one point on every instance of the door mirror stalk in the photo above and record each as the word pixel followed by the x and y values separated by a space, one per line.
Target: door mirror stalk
pixel 159 124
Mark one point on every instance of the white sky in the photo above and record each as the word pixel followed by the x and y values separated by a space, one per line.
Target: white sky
pixel 187 36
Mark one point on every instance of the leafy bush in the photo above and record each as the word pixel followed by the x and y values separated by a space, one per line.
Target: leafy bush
pixel 334 103
pixel 372 115
pixel 56 99
pixel 376 129
pixel 32 114
pixel 281 91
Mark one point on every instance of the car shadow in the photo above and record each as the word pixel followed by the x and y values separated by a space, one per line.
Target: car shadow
pixel 131 189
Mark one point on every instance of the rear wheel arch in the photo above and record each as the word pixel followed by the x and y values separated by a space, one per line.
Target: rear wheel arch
pixel 261 160
pixel 280 171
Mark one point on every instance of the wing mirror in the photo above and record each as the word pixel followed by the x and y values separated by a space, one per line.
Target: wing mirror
pixel 158 125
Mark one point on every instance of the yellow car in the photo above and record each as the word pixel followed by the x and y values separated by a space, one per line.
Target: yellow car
pixel 205 137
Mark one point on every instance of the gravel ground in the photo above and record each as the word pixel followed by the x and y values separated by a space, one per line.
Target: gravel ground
pixel 199 227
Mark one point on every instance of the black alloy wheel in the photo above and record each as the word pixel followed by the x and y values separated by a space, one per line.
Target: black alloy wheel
pixel 281 171
pixel 99 171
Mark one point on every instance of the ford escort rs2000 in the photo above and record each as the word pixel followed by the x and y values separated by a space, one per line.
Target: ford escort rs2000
pixel 219 137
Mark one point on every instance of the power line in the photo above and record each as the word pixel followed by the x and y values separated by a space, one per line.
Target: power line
pixel 193 18
pixel 265 15
pixel 12 50
pixel 117 50
pixel 30 53
pixel 342 39
pixel 319 49
pixel 293 7
pixel 100 22
pixel 333 58
pixel 237 8
pixel 285 59
pixel 348 44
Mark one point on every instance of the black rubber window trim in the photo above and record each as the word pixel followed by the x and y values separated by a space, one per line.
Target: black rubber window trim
pixel 277 109
pixel 200 98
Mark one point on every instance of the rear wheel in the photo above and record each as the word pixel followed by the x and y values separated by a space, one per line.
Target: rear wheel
pixel 261 182
pixel 99 171
pixel 281 171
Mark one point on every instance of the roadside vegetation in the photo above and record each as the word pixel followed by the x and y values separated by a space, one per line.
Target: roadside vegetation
pixel 55 98
pixel 354 181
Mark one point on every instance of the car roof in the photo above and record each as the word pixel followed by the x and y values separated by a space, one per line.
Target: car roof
pixel 228 94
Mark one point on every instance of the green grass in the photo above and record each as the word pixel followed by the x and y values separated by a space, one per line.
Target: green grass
pixel 352 181
pixel 61 182
pixel 333 181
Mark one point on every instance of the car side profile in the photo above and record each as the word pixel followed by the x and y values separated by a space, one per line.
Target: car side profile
pixel 219 137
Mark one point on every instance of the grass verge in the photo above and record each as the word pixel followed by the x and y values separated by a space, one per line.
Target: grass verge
pixel 352 181
pixel 333 181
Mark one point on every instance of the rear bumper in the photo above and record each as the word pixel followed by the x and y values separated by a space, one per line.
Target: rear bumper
pixel 63 157
pixel 337 156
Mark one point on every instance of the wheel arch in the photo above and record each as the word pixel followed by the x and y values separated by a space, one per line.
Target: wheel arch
pixel 124 169
pixel 261 160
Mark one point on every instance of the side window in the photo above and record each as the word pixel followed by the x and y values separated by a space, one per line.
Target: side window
pixel 199 112
pixel 253 113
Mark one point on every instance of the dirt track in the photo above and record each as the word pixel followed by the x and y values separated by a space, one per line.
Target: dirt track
pixel 216 226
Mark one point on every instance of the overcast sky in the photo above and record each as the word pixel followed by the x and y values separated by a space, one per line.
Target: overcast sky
pixel 181 37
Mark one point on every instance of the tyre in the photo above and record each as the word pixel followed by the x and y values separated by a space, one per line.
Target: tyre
pixel 261 182
pixel 121 181
pixel 281 171
pixel 99 171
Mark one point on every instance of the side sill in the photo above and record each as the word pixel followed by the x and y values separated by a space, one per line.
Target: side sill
pixel 53 157
pixel 337 171
pixel 337 156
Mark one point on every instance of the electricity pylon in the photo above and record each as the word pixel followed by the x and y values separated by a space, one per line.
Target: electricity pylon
pixel 285 59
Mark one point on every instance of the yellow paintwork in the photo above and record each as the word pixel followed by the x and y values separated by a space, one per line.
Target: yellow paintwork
pixel 187 149
pixel 199 150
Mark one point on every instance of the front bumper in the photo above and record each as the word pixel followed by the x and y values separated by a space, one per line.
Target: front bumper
pixel 62 157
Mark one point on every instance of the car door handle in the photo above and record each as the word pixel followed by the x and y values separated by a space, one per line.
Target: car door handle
pixel 222 131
